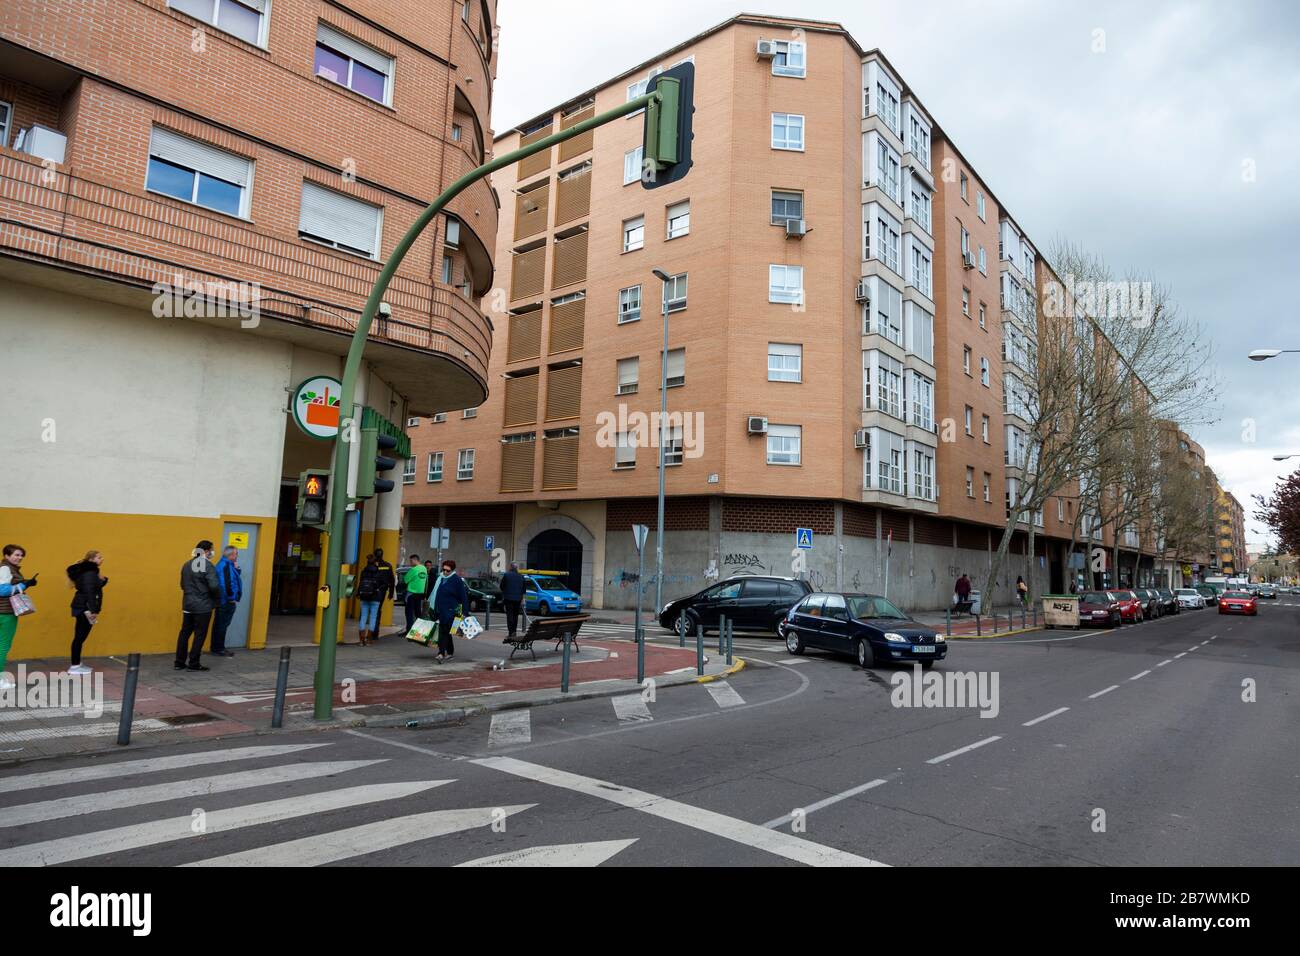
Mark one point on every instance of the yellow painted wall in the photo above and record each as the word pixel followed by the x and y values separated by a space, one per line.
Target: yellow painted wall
pixel 143 555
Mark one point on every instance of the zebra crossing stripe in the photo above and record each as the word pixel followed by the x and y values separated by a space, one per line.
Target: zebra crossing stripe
pixel 11 715
pixel 85 845
pixel 631 707
pixel 182 789
pixel 103 728
pixel 724 695
pixel 129 768
pixel 320 849
pixel 510 727
pixel 561 854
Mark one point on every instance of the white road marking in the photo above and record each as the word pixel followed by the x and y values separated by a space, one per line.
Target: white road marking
pixel 510 727
pixel 1164 662
pixel 1106 691
pixel 1203 643
pixel 820 804
pixel 181 789
pixel 729 828
pixel 631 707
pixel 103 728
pixel 1183 654
pixel 319 849
pixel 962 750
pixel 1140 676
pixel 1193 647
pixel 724 695
pixel 562 854
pixel 127 768
pixel 9 714
pixel 1039 720
pixel 800 660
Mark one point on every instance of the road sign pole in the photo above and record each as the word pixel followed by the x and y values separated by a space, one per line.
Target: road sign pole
pixel 324 682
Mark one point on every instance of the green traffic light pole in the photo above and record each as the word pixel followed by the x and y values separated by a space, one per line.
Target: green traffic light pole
pixel 342 445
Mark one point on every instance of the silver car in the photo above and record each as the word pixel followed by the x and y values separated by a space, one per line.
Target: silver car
pixel 1190 598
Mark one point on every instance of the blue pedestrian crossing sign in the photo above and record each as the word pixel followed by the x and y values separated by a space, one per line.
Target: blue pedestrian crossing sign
pixel 803 538
pixel 488 542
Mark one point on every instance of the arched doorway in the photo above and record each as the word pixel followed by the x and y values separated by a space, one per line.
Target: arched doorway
pixel 557 550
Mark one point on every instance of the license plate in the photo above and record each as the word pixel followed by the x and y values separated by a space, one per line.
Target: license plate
pixel 922 649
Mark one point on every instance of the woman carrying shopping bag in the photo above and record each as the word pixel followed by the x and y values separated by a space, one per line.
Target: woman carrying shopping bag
pixel 448 602
pixel 84 576
pixel 13 602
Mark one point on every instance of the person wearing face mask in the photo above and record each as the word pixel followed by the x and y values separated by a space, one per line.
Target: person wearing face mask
pixel 449 599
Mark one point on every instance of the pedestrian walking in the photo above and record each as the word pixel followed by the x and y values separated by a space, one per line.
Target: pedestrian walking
pixel 962 588
pixel 417 582
pixel 371 588
pixel 448 601
pixel 11 582
pixel 388 578
pixel 1022 591
pixel 512 596
pixel 200 592
pixel 231 580
pixel 87 603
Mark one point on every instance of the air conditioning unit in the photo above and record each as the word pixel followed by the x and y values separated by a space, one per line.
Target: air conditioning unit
pixel 796 228
pixel 968 260
pixel 766 49
pixel 863 292
pixel 757 426
pixel 860 438
pixel 42 142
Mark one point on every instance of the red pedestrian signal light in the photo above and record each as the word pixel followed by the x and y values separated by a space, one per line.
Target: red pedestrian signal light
pixel 313 498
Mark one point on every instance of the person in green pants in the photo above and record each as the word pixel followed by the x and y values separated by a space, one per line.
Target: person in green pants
pixel 11 582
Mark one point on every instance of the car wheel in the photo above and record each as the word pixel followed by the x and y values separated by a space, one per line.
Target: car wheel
pixel 684 620
pixel 793 642
pixel 865 655
pixel 926 665
pixel 543 610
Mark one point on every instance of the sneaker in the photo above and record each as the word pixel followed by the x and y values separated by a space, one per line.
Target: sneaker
pixel 79 669
pixel 197 667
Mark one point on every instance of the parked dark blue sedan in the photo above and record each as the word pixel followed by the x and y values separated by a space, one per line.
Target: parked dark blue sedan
pixel 866 626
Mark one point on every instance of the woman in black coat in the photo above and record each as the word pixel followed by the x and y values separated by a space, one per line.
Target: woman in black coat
pixel 85 578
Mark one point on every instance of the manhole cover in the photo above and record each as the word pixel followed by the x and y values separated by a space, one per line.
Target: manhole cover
pixel 179 720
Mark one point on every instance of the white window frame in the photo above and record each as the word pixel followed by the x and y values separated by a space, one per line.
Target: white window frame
pixel 970 482
pixel 979 205
pixel 633 162
pixel 412 423
pixel 922 473
pixel 984 372
pixel 408 471
pixel 965 359
pixel 673 302
pixel 984 428
pixel 630 227
pixel 623 384
pixel 469 413
pixel 677 218
pixel 344 200
pixel 356 52
pixel 433 474
pixel 201 159
pixel 676 364
pixel 988 483
pixel 262 7
pixel 783 369
pixel 785 284
pixel 788 447
pixel 887 244
pixel 465 464
pixel 887 385
pixel 674 447
pixel 785 51
pixel 888 108
pixel 920 400
pixel 439 417
pixel 920 331
pixel 889 170
pixel 625 451
pixel 787 143
pixel 918 135
pixel 626 311
pixel 8 123
pixel 922 208
pixel 920 267
pixel 984 262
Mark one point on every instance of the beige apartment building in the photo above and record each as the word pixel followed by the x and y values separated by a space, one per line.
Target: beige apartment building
pixel 850 311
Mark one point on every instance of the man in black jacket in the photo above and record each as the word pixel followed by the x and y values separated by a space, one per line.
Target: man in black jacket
pixel 389 578
pixel 512 594
pixel 200 592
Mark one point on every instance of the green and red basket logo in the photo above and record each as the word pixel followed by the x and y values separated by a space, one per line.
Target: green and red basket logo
pixel 316 406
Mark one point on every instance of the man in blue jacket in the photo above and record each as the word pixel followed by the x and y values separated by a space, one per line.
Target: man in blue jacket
pixel 231 580
pixel 449 598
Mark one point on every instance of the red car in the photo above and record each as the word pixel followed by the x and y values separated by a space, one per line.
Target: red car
pixel 1130 606
pixel 1238 602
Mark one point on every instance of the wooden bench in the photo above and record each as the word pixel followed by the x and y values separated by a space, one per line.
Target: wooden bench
pixel 547 629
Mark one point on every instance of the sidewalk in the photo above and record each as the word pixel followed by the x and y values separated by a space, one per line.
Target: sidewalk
pixel 391 683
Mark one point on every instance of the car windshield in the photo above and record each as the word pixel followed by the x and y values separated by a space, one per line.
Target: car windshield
pixel 1235 594
pixel 1188 592
pixel 865 608
pixel 553 584
pixel 1094 597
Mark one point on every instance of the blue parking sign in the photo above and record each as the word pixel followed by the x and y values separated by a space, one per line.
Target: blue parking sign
pixel 803 538
pixel 488 542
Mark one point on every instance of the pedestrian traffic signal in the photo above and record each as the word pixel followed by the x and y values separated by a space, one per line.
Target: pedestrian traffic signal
pixel 373 443
pixel 667 132
pixel 313 498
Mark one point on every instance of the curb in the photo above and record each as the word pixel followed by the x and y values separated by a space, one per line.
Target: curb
pixel 735 668
pixel 978 637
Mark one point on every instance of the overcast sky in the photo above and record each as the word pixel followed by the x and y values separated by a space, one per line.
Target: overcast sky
pixel 1173 152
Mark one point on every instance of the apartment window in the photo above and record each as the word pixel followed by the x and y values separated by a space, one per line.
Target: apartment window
pixel 446 270
pixel 673 446
pixel 970 414
pixel 887 108
pixel 408 472
pixel 923 474
pixel 1060 509
pixel 675 293
pixel 888 243
pixel 456 132
pixel 965 185
pixel 889 462
pixel 784 362
pixel 435 466
pixel 342 60
pixel 469 413
pixel 245 19
pixel 965 302
pixel 888 171
pixel 984 428
pixel 988 482
pixel 639 87
pixel 889 385
pixel 787 131
pixel 679 219
pixel 194 172
pixel 921 396
pixel 921 206
pixel 979 205
pixel 920 332
pixel 785 284
pixel 440 417
pixel 918 140
pixel 633 233
pixel 983 320
pixel 984 372
pixel 625 450
pixel 984 265
pixel 965 242
pixel 786 206
pixel 633 161
pixel 676 371
pixel 970 482
pixel 888 312
pixel 783 444
pixel 965 359
pixel 6 121
pixel 340 221
pixel 791 58
pixel 412 422
pixel 628 370
pixel 629 304
pixel 465 464
pixel 464 11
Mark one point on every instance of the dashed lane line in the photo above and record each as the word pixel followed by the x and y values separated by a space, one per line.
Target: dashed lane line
pixel 1106 691
pixel 961 750
pixel 1049 716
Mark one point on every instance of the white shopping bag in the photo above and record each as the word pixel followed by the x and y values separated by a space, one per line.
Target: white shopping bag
pixel 470 628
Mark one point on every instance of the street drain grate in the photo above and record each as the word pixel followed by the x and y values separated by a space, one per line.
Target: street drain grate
pixel 180 720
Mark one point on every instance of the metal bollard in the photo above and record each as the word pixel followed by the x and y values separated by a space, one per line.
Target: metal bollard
pixel 699 650
pixel 722 633
pixel 947 621
pixel 487 613
pixel 640 652
pixel 281 685
pixel 978 632
pixel 1022 617
pixel 128 700
pixel 730 636
pixel 564 670
pixel 681 630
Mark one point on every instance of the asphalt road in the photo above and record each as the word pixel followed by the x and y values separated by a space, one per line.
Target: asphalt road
pixel 1108 748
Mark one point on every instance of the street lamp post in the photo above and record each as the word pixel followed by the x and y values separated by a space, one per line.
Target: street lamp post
pixel 1285 457
pixel 664 278
pixel 1260 355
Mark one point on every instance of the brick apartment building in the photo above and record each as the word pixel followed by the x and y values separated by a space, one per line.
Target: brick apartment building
pixel 851 311
pixel 148 145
